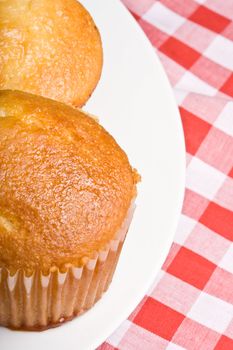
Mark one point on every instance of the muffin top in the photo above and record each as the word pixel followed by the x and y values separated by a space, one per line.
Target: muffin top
pixel 65 184
pixel 49 48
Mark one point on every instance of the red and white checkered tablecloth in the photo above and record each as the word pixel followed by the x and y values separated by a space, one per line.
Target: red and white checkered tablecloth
pixel 190 305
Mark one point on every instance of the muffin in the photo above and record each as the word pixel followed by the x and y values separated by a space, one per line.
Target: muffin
pixel 67 195
pixel 49 48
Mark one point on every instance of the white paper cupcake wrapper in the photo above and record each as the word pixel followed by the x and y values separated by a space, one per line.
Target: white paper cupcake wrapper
pixel 39 302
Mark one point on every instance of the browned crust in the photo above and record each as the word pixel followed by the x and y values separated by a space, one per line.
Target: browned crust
pixel 65 184
pixel 50 48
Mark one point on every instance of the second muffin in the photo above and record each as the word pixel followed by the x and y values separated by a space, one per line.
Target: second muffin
pixel 50 48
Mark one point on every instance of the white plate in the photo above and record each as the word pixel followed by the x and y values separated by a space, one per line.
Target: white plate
pixel 135 103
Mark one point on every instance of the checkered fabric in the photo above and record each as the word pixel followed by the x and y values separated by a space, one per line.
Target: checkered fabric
pixel 190 305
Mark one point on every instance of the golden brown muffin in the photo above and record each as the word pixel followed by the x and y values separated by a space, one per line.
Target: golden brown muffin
pixel 49 48
pixel 66 189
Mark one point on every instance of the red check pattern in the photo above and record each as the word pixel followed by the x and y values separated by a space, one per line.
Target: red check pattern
pixel 190 305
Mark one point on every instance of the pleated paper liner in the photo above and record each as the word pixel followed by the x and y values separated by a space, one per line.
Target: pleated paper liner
pixel 40 302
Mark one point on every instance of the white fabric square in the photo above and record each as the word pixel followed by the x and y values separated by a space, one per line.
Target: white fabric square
pixel 211 312
pixel 119 333
pixel 221 51
pixel 185 227
pixel 163 18
pixel 225 119
pixel 180 95
pixel 200 1
pixel 227 261
pixel 190 82
pixel 203 178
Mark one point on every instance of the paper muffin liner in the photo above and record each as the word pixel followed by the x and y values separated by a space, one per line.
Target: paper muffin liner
pixel 42 301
